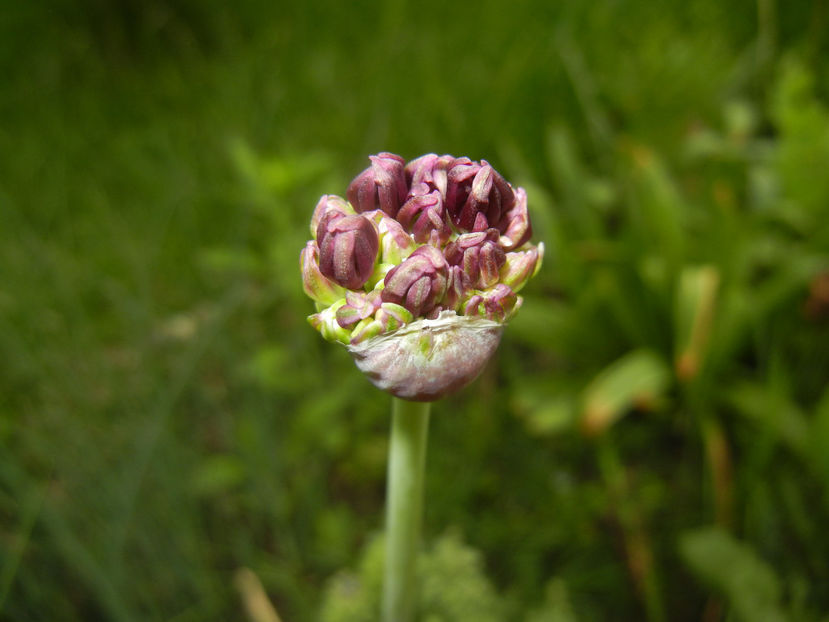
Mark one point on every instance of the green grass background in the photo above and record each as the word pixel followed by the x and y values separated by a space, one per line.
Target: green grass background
pixel 651 441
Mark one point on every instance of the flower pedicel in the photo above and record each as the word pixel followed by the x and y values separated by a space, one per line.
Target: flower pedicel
pixel 418 272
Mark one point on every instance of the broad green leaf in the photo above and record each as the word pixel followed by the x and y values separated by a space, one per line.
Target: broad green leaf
pixel 636 380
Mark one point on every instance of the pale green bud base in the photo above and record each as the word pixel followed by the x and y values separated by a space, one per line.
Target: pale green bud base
pixel 427 359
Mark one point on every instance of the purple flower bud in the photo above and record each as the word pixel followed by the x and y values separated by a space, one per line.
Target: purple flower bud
pixel 477 195
pixel 489 197
pixel 515 225
pixel 452 240
pixel 315 284
pixel 456 290
pixel 348 248
pixel 496 304
pixel 479 256
pixel 381 186
pixel 430 169
pixel 520 266
pixel 358 306
pixel 423 215
pixel 328 203
pixel 418 283
pixel 459 183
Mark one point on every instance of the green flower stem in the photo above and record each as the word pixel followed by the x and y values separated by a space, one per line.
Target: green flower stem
pixel 404 510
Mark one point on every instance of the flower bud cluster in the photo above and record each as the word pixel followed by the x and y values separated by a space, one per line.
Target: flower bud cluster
pixel 414 241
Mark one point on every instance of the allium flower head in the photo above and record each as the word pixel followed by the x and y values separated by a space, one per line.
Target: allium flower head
pixel 418 272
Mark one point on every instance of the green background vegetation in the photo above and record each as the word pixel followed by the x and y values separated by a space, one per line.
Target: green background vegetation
pixel 651 441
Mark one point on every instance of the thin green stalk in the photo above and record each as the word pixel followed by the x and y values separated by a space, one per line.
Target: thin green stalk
pixel 404 511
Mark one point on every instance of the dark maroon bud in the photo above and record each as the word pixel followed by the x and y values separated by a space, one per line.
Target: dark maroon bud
pixel 459 184
pixel 481 223
pixel 381 186
pixel 489 197
pixel 328 203
pixel 419 283
pixel 430 169
pixel 348 248
pixel 423 215
pixel 479 256
pixel 476 195
pixel 457 288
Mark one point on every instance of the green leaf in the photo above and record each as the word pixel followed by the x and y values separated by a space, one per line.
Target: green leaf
pixel 695 308
pixel 735 571
pixel 657 206
pixel 638 379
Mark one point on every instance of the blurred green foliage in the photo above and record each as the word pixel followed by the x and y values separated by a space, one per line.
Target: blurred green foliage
pixel 651 440
pixel 452 586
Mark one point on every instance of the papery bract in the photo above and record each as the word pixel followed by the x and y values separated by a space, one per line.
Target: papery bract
pixel 429 358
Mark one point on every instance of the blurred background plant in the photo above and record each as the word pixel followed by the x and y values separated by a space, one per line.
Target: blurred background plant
pixel 650 442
